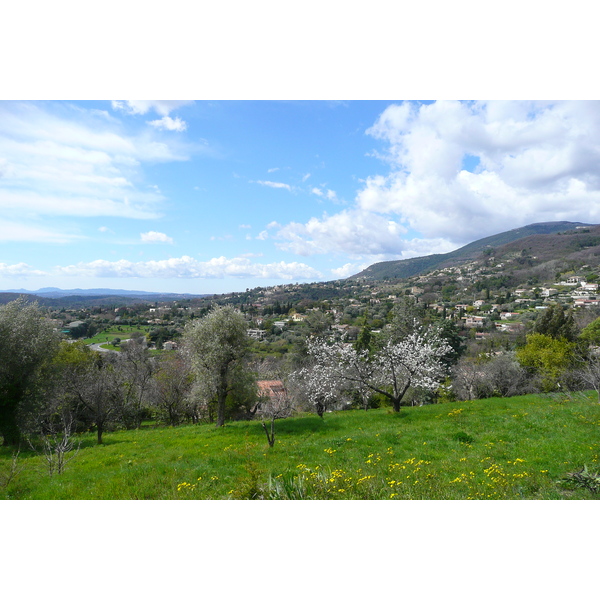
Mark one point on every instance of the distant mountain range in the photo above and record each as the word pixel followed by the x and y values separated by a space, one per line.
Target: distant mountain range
pixel 78 298
pixel 400 269
pixel 51 292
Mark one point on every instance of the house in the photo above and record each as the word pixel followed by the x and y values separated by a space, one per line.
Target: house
pixel 256 334
pixel 508 315
pixel 475 321
pixel 585 302
pixel 272 389
pixel 547 292
pixel 170 346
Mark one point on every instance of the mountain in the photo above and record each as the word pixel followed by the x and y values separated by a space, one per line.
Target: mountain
pixel 399 269
pixel 77 298
pixel 51 292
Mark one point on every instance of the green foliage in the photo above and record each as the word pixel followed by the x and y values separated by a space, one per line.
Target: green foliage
pixel 556 323
pixel 217 345
pixel 583 479
pixel 591 333
pixel 28 342
pixel 547 356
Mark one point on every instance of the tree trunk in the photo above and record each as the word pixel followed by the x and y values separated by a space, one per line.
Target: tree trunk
pixel 221 409
pixel 100 432
pixel 8 425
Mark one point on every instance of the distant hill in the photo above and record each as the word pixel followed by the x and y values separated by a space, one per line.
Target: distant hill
pixel 399 269
pixel 52 292
pixel 78 298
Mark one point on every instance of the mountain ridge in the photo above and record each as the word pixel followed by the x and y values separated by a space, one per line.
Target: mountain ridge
pixel 404 268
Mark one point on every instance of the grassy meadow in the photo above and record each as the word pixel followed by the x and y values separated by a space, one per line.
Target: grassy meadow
pixel 123 332
pixel 497 448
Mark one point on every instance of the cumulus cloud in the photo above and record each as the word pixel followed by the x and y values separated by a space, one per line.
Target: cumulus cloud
pixel 168 123
pixel 458 171
pixel 19 270
pixel 349 269
pixel 465 170
pixel 187 267
pixel 275 184
pixel 353 232
pixel 153 237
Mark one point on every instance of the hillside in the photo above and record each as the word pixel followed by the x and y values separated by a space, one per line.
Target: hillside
pixel 497 448
pixel 400 269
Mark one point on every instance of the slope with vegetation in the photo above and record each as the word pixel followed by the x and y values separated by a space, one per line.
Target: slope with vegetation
pixel 499 448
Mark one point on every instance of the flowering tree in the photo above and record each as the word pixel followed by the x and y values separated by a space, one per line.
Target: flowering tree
pixel 415 361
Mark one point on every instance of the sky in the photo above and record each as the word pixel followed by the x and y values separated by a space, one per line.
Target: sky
pixel 218 196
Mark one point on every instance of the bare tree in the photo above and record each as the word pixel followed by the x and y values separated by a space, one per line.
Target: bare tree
pixel 589 373
pixel 136 367
pixel 275 403
pixel 59 446
pixel 172 385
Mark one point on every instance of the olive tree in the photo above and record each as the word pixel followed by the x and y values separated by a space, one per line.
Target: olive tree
pixel 27 342
pixel 216 346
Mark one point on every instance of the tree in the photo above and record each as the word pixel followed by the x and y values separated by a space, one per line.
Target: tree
pixel 416 361
pixel 547 356
pixel 27 342
pixel 217 345
pixel 556 323
pixel 172 384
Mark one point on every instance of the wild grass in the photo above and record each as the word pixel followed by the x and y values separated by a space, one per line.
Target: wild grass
pixel 497 448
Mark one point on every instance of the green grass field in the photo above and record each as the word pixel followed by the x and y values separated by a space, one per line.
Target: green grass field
pixel 497 448
pixel 110 334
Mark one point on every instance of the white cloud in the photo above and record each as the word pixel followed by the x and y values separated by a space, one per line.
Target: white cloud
pixel 349 269
pixel 170 124
pixel 153 237
pixel 532 162
pixel 141 107
pixel 19 270
pixel 75 164
pixel 275 184
pixel 12 231
pixel 353 232
pixel 189 268
pixel 263 235
pixel 305 177
pixel 459 171
pixel 273 170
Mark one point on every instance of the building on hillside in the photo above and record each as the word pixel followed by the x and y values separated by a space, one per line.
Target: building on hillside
pixel 256 334
pixel 170 346
pixel 271 389
pixel 475 321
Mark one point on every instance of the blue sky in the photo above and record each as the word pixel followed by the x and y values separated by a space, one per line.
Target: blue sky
pixel 220 196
